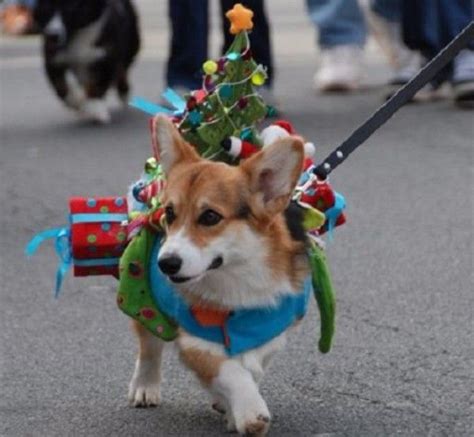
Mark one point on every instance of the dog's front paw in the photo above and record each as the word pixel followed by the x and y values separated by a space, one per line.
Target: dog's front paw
pixel 256 427
pixel 253 422
pixel 144 395
pixel 96 110
pixel 219 407
pixel 229 422
pixel 144 388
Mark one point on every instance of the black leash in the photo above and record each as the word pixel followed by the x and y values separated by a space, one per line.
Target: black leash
pixel 402 96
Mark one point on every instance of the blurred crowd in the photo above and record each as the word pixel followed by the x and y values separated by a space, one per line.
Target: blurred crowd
pixel 17 17
pixel 409 32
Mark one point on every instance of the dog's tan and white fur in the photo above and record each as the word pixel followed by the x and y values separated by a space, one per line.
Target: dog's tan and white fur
pixel 235 215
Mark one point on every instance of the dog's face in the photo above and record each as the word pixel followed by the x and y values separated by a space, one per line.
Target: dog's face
pixel 217 215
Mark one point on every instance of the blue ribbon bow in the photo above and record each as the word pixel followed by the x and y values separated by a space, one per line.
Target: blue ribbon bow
pixel 171 96
pixel 63 249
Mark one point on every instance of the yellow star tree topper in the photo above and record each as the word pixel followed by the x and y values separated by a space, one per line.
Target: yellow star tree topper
pixel 240 18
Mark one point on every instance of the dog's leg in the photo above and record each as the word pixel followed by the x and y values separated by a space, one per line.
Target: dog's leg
pixel 99 80
pixel 230 383
pixel 249 412
pixel 75 96
pixel 123 87
pixel 220 405
pixel 144 389
pixel 96 110
pixel 65 85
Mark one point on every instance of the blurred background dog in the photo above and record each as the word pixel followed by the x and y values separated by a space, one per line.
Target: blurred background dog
pixel 88 47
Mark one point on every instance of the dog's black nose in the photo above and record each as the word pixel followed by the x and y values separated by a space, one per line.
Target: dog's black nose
pixel 170 265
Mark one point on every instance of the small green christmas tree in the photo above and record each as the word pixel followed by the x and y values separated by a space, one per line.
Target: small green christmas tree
pixel 228 104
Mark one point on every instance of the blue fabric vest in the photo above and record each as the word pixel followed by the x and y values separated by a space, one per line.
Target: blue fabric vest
pixel 245 329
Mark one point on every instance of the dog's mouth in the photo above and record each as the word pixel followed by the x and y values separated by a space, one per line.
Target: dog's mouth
pixel 215 264
pixel 182 279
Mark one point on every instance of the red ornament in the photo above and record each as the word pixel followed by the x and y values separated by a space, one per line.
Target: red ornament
pixel 208 84
pixel 191 103
pixel 320 196
pixel 200 95
pixel 247 54
pixel 155 218
pixel 307 163
pixel 243 102
pixel 221 65
pixel 149 191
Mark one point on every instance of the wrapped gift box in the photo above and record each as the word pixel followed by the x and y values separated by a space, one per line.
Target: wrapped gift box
pixel 98 234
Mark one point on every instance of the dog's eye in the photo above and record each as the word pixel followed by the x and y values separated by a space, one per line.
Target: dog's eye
pixel 209 218
pixel 169 214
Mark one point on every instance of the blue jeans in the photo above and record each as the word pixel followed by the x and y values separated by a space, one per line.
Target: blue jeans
pixel 28 3
pixel 428 25
pixel 188 49
pixel 189 30
pixel 341 22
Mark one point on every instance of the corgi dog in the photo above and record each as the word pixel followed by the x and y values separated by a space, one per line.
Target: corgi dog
pixel 234 242
pixel 88 48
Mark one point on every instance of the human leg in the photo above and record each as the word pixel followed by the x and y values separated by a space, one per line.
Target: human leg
pixel 342 34
pixel 188 48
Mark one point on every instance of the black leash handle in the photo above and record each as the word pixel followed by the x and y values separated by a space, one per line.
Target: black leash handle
pixel 402 96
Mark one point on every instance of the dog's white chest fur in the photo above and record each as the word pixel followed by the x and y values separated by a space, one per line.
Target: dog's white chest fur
pixel 81 50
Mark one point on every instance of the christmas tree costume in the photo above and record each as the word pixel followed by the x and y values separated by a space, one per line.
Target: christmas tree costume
pixel 220 120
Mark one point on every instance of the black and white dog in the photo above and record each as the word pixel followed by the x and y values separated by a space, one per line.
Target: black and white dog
pixel 88 47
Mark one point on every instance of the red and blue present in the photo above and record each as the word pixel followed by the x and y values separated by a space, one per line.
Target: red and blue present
pixel 98 234
pixel 94 240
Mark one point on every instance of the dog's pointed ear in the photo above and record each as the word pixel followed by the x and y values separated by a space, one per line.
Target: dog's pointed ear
pixel 274 172
pixel 170 147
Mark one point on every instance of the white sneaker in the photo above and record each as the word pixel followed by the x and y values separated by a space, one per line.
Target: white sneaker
pixel 340 70
pixel 463 79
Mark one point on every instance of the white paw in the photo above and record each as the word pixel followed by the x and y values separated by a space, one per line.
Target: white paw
pixel 144 395
pixel 258 426
pixel 252 422
pixel 230 422
pixel 144 388
pixel 96 110
pixel 74 102
pixel 219 407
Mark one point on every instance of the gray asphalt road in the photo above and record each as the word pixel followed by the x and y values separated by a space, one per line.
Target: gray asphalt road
pixel 403 357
